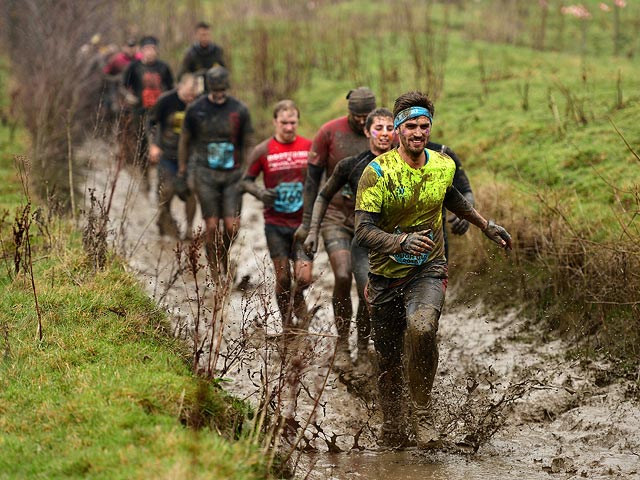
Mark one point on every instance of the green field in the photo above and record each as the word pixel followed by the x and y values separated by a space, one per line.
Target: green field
pixel 533 118
pixel 105 392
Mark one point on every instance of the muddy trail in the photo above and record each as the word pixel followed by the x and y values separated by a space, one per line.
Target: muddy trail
pixel 509 405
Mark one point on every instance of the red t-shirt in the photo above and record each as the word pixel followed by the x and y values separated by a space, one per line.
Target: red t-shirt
pixel 119 63
pixel 283 167
pixel 334 141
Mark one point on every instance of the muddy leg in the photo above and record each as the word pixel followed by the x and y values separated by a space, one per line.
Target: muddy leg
pixel 302 272
pixel 283 291
pixel 424 302
pixel 342 309
pixel 360 266
pixel 190 211
pixel 166 223
pixel 231 227
pixel 388 326
pixel 211 245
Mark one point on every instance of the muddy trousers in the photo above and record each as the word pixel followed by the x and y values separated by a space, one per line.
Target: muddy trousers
pixel 360 268
pixel 166 223
pixel 404 322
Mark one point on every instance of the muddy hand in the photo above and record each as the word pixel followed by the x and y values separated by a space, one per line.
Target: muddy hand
pixel 301 234
pixel 311 243
pixel 459 226
pixel 417 243
pixel 269 196
pixel 498 234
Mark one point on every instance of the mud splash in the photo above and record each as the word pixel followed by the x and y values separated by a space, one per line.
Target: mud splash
pixel 567 423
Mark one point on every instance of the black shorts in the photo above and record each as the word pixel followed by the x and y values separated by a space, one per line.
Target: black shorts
pixel 218 191
pixel 281 245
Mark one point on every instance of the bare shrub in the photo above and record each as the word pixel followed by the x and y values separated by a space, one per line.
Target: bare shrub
pixel 95 232
pixel 59 78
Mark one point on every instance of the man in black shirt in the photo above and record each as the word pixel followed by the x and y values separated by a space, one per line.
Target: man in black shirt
pixel 216 137
pixel 144 81
pixel 202 55
pixel 165 125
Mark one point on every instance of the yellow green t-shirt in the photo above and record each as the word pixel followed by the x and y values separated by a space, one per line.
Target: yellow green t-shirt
pixel 408 200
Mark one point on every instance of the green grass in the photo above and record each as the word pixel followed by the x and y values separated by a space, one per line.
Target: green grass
pixel 107 392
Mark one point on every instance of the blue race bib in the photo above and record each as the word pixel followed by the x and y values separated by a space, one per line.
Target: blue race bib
pixel 410 259
pixel 289 197
pixel 220 155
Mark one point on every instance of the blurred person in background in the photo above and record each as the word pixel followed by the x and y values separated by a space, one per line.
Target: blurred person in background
pixel 113 70
pixel 201 55
pixel 165 124
pixel 216 137
pixel 144 80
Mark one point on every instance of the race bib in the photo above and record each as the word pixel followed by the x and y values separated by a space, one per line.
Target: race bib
pixel 289 197
pixel 220 155
pixel 410 259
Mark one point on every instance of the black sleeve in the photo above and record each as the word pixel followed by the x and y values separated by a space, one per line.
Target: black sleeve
pixel 155 121
pixel 455 202
pixel 460 179
pixel 127 76
pixel 185 65
pixel 168 77
pixel 220 56
pixel 311 185
pixel 337 180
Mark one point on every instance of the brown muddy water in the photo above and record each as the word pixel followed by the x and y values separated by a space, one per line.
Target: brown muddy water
pixel 553 418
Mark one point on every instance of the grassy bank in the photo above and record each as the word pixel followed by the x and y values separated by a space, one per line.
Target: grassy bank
pixel 103 391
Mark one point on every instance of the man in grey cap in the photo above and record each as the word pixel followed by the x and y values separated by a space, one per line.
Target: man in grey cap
pixel 337 139
pixel 216 137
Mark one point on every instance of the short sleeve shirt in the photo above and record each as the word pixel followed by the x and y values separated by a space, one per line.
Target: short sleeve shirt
pixel 408 200
pixel 283 167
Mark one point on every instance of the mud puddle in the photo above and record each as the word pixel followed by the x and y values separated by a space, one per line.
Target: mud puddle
pixel 557 418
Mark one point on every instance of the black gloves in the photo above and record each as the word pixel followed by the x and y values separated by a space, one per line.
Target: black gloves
pixel 498 234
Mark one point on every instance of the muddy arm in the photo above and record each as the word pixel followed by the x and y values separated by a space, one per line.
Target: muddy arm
pixel 311 185
pixel 183 151
pixel 456 203
pixel 370 236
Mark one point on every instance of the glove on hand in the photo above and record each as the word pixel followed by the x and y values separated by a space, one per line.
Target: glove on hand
pixel 417 243
pixel 498 234
pixel 311 243
pixel 181 188
pixel 268 196
pixel 301 233
pixel 459 226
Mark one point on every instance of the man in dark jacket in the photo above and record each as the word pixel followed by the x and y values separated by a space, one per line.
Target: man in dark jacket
pixel 202 55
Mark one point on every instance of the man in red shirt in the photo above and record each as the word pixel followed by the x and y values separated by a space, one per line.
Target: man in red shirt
pixel 338 139
pixel 119 62
pixel 282 159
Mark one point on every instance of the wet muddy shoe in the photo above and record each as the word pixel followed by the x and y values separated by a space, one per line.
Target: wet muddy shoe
pixel 393 437
pixel 427 437
pixel 342 360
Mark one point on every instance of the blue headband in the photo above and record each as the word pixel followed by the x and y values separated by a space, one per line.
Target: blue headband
pixel 411 112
